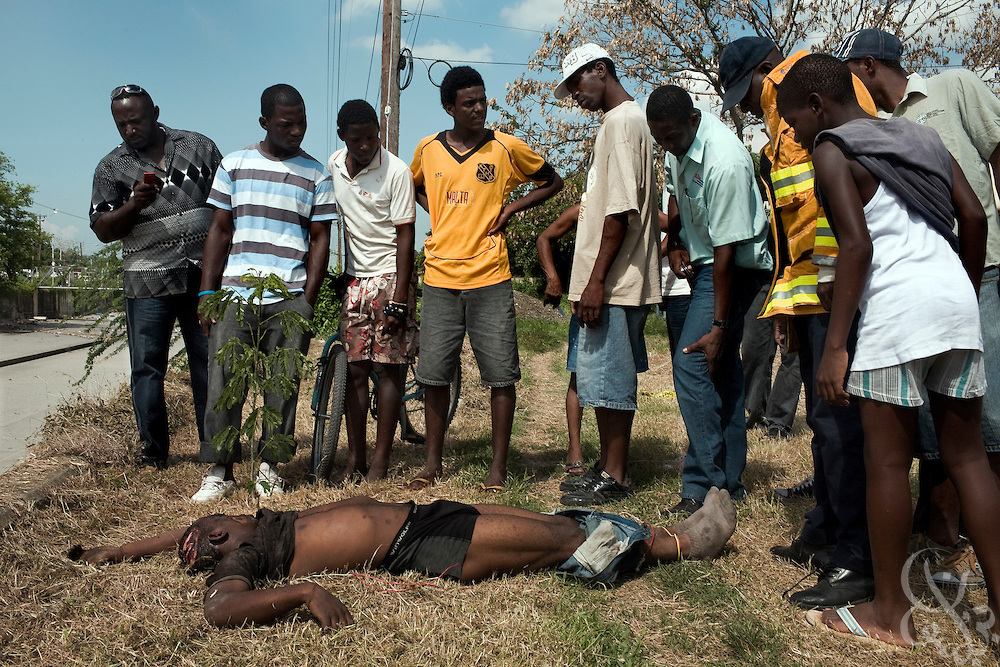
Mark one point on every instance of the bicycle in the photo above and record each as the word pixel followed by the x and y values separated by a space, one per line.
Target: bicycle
pixel 328 405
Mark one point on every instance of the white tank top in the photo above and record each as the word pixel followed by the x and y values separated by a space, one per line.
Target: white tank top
pixel 917 301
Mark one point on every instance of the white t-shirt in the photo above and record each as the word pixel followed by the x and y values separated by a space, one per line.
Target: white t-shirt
pixel 620 179
pixel 372 204
pixel 918 300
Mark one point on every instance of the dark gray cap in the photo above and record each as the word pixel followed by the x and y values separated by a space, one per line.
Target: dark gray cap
pixel 878 44
pixel 736 67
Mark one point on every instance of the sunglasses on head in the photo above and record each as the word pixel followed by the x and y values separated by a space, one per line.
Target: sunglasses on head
pixel 130 89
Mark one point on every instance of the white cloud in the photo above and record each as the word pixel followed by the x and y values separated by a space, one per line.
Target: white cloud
pixel 452 53
pixel 534 14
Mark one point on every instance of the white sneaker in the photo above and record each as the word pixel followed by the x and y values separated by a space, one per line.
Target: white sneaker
pixel 213 488
pixel 268 483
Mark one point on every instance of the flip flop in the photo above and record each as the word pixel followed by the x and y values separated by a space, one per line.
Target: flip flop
pixel 814 617
pixel 574 468
pixel 496 488
pixel 423 482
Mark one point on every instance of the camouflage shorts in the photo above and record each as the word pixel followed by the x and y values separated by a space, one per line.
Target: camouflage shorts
pixel 361 321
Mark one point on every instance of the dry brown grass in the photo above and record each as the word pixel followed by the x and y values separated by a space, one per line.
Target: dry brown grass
pixel 730 611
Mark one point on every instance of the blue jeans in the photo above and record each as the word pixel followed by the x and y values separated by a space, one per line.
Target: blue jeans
pixel 713 409
pixel 838 456
pixel 675 310
pixel 149 323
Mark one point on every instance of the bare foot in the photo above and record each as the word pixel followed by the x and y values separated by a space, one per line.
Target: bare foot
pixel 424 479
pixel 495 480
pixel 894 633
pixel 375 475
pixel 710 527
pixel 350 474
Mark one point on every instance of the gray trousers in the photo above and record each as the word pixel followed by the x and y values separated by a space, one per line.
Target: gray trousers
pixel 766 403
pixel 272 336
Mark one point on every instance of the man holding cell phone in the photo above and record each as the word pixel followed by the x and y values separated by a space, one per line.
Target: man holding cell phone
pixel 150 193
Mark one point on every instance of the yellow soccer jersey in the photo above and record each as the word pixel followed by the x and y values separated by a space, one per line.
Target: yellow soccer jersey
pixel 465 194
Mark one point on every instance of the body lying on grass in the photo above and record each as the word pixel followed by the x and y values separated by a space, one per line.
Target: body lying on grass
pixel 463 542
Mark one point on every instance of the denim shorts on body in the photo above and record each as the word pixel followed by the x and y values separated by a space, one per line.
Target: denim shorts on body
pixel 574 343
pixel 610 356
pixel 955 373
pixel 487 314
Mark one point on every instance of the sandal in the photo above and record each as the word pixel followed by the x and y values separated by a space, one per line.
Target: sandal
pixel 574 468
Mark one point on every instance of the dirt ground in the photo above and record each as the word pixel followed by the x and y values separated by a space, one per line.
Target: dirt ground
pixel 726 612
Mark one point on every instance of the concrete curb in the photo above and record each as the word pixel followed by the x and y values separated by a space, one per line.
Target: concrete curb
pixel 42 355
pixel 38 496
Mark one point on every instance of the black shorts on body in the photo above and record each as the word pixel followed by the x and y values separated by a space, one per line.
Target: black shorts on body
pixel 433 540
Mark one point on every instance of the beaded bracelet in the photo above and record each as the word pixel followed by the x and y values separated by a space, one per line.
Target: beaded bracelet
pixel 395 309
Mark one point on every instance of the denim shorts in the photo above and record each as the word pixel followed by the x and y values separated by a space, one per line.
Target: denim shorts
pixel 487 314
pixel 574 343
pixel 610 356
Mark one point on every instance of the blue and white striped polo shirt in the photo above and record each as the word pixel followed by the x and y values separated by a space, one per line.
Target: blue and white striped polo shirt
pixel 273 203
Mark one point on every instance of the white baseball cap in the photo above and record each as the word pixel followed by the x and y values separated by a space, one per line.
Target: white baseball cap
pixel 576 59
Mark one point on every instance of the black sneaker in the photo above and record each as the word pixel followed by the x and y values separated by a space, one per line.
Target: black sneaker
pixel 685 507
pixel 804 553
pixel 804 489
pixel 599 490
pixel 580 481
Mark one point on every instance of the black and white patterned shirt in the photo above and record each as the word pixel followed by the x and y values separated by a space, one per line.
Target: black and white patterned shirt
pixel 169 237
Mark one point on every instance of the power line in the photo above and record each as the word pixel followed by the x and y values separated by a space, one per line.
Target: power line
pixel 59 211
pixel 492 25
pixel 371 62
pixel 470 62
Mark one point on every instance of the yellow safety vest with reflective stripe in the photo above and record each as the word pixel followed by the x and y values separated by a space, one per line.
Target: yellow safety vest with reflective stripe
pixel 810 239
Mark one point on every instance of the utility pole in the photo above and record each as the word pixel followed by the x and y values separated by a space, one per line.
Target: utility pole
pixel 389 122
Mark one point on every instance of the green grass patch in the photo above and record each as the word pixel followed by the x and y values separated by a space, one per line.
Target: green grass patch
pixel 581 619
pixel 535 336
pixel 746 635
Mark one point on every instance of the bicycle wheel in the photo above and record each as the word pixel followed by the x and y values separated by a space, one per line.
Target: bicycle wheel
pixel 328 409
pixel 411 412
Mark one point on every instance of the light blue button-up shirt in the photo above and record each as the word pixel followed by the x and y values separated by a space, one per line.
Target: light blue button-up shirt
pixel 718 199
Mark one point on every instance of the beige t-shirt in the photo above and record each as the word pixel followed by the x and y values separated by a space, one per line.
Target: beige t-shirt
pixel 621 179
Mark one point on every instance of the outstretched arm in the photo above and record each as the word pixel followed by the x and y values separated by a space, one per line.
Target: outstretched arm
pixel 232 603
pixel 558 229
pixel 130 550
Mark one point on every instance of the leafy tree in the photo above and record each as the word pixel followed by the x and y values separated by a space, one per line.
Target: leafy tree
pixel 20 231
pixel 655 42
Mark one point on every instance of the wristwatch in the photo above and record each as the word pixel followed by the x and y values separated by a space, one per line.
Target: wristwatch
pixel 722 324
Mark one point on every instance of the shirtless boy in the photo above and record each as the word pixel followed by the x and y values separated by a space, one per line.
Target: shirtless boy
pixel 892 192
pixel 463 542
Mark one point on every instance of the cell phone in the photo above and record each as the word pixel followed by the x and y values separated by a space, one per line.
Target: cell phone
pixel 149 177
pixel 688 272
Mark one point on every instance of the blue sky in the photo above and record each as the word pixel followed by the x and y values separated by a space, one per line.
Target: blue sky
pixel 205 65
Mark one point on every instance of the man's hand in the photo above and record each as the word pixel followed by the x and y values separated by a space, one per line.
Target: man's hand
pixel 206 322
pixel 588 308
pixel 97 555
pixel 144 194
pixel 553 291
pixel 784 334
pixel 680 261
pixel 711 345
pixel 501 222
pixel 329 611
pixel 830 378
pixel 390 324
pixel 825 293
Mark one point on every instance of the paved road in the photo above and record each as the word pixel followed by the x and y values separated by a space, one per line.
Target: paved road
pixel 30 390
